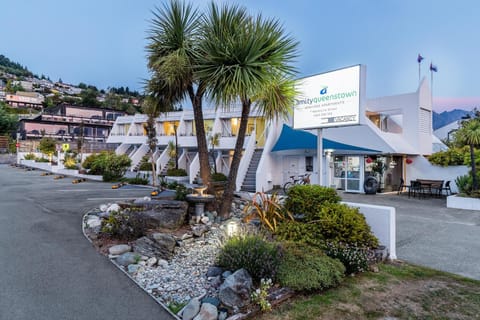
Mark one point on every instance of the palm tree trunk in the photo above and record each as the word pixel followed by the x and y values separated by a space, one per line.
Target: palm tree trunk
pixel 474 168
pixel 237 156
pixel 200 133
pixel 154 171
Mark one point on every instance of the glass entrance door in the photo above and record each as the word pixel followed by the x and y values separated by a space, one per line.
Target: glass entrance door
pixel 353 177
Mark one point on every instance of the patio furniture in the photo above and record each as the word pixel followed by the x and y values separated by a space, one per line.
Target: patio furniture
pixel 446 188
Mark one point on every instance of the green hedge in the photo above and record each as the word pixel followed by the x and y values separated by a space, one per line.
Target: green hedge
pixel 309 199
pixel 306 268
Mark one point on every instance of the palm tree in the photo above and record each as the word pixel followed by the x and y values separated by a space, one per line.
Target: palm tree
pixel 173 40
pixel 152 107
pixel 245 59
pixel 214 141
pixel 469 134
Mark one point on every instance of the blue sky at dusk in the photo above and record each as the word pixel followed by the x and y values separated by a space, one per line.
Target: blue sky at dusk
pixel 102 42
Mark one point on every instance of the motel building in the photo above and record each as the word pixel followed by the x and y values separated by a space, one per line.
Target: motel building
pixel 359 135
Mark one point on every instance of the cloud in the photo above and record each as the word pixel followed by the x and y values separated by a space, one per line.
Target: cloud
pixel 441 104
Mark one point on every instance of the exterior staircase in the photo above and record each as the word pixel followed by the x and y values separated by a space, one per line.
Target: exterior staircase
pixel 250 178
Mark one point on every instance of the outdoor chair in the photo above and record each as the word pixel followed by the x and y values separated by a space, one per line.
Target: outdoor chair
pixel 447 189
pixel 401 186
pixel 416 188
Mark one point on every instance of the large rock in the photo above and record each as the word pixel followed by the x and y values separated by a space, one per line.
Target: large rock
pixel 207 312
pixel 164 240
pixel 119 249
pixel 151 248
pixel 168 214
pixel 128 258
pixel 191 309
pixel 235 290
pixel 93 222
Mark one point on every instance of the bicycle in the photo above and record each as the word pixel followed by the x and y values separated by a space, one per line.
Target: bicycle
pixel 301 180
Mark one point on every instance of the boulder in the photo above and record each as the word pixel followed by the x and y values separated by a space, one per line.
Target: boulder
pixel 191 309
pixel 133 268
pixel 207 312
pixel 235 290
pixel 168 214
pixel 212 300
pixel 113 208
pixel 199 230
pixel 103 207
pixel 214 271
pixel 93 222
pixel 119 249
pixel 164 240
pixel 148 247
pixel 127 258
pixel 151 262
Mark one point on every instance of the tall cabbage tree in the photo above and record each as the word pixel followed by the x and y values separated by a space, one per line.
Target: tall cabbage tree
pixel 469 134
pixel 172 55
pixel 246 59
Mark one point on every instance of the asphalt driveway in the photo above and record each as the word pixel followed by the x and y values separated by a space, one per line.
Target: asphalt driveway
pixel 48 270
pixel 430 234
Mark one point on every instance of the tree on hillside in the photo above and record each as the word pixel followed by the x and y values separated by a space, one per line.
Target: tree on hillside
pixel 247 59
pixel 173 41
pixel 8 122
pixel 469 134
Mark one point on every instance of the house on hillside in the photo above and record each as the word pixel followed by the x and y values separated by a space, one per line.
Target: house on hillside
pixel 395 131
pixel 23 99
pixel 70 123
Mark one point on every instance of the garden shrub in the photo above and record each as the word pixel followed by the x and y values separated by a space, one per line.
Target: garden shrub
pixel 450 157
pixel 108 164
pixel 268 208
pixel 308 233
pixel 218 177
pixel 124 226
pixel 465 185
pixel 309 199
pixel 176 172
pixel 334 222
pixel 355 259
pixel 29 156
pixel 341 223
pixel 181 192
pixel 70 162
pixel 306 268
pixel 136 180
pixel 259 257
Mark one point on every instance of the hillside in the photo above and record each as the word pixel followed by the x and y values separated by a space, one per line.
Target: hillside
pixel 15 68
pixel 446 117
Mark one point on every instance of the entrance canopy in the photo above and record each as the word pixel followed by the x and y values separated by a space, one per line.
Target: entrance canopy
pixel 291 141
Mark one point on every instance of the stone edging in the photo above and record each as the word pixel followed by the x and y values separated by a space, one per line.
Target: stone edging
pixel 126 273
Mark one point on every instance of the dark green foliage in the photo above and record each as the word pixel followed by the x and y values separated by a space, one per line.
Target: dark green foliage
pixel 47 146
pixel 8 122
pixel 13 67
pixel 306 268
pixel 181 192
pixel 309 199
pixel 355 259
pixel 136 180
pixel 259 257
pixel 111 166
pixel 465 185
pixel 172 185
pixel 450 157
pixel 301 232
pixel 124 226
pixel 219 177
pixel 176 172
pixel 333 222
pixel 29 156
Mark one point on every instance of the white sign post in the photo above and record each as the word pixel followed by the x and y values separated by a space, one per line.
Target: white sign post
pixel 327 100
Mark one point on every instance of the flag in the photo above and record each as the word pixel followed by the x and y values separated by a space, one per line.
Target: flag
pixel 433 68
pixel 420 58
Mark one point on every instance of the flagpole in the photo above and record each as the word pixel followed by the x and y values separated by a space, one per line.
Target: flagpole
pixel 419 76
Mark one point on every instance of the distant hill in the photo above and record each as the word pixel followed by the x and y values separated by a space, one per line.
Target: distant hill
pixel 13 67
pixel 446 117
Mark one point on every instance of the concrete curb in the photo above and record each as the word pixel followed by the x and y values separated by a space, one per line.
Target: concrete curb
pixel 126 273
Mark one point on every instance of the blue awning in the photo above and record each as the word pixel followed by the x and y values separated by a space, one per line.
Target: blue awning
pixel 291 140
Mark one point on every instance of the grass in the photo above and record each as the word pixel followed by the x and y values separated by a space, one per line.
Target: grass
pixel 398 290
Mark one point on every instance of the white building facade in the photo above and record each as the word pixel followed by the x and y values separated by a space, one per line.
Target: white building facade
pixel 394 130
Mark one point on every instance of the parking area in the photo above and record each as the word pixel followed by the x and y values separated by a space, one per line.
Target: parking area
pixel 430 234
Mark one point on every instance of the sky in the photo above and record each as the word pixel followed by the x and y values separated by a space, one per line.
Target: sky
pixel 102 42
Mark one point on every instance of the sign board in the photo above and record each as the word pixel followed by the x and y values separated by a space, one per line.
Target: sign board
pixel 329 99
pixel 65 147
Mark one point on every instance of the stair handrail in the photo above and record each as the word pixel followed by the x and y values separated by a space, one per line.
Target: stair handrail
pixel 122 148
pixel 138 156
pixel 162 160
pixel 245 161
pixel 194 168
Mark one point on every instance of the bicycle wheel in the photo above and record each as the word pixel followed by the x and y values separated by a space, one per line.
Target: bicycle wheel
pixel 287 186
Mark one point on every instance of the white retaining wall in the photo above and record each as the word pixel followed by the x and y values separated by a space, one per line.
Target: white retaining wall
pixel 381 220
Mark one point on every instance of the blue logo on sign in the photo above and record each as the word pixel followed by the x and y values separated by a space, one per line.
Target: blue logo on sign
pixel 324 90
